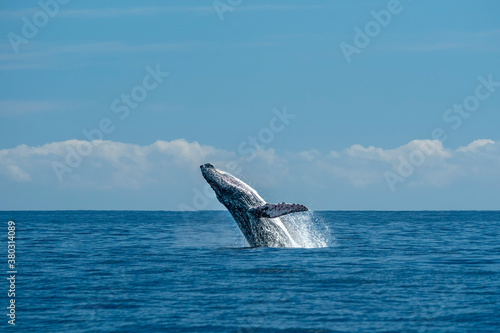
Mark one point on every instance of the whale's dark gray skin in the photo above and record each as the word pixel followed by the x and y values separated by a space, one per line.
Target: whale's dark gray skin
pixel 260 222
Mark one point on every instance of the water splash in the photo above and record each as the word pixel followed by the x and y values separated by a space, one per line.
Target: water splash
pixel 311 230
pixel 307 230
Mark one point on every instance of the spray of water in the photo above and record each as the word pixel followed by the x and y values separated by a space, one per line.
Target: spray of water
pixel 311 231
pixel 307 230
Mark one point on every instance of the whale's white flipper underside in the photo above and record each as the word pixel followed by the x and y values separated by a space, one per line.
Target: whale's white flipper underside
pixel 272 210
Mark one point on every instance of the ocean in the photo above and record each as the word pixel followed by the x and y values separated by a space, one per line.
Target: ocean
pixel 147 271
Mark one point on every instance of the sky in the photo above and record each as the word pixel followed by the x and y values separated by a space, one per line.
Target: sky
pixel 338 105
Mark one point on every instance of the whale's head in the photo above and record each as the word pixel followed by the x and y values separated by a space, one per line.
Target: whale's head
pixel 230 190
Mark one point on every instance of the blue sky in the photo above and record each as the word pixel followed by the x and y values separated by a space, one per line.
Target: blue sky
pixel 353 121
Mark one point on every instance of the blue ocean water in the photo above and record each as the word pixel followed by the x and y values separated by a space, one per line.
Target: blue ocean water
pixel 124 271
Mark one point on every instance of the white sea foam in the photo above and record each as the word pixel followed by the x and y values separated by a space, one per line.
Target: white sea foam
pixel 312 232
pixel 308 230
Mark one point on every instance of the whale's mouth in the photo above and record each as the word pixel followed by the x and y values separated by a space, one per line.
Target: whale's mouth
pixel 212 175
pixel 212 167
pixel 207 166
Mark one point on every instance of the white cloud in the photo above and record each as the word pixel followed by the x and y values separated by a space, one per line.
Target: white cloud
pixel 432 148
pixel 16 172
pixel 280 7
pixel 149 11
pixel 135 11
pixel 444 40
pixel 53 55
pixel 309 155
pixel 17 14
pixel 475 145
pixel 14 107
pixel 84 13
pixel 174 164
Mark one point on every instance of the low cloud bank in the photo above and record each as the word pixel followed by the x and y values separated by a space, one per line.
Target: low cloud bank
pixel 110 164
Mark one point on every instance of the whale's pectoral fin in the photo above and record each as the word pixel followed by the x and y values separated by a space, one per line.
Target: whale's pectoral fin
pixel 271 210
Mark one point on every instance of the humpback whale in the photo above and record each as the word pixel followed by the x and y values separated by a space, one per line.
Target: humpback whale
pixel 261 223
